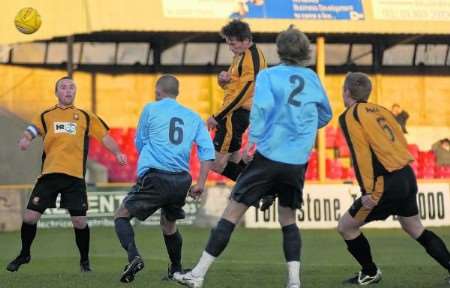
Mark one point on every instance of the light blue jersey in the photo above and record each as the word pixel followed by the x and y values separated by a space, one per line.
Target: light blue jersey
pixel 289 105
pixel 165 135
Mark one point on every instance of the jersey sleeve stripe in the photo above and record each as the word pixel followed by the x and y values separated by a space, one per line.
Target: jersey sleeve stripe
pixel 103 123
pixel 343 123
pixel 255 60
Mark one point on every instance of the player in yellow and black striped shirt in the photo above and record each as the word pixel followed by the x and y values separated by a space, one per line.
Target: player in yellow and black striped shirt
pixel 65 131
pixel 381 161
pixel 238 82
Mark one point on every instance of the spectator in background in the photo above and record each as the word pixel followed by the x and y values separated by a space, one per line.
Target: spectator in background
pixel 401 116
pixel 442 151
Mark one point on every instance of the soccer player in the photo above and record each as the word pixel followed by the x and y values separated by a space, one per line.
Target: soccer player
pixel 388 184
pixel 65 130
pixel 290 105
pixel 164 138
pixel 232 119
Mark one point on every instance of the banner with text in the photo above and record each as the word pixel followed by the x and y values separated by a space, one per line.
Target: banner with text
pixel 411 10
pixel 265 9
pixel 102 206
pixel 325 204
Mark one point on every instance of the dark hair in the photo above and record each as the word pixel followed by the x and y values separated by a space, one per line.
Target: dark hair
pixel 169 84
pixel 60 79
pixel 238 29
pixel 359 85
pixel 293 47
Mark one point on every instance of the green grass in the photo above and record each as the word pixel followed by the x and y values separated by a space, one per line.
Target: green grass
pixel 254 258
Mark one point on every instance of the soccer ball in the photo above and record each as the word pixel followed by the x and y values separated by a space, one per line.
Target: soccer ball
pixel 28 20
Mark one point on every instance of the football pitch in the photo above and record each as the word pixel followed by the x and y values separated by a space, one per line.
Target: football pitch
pixel 254 258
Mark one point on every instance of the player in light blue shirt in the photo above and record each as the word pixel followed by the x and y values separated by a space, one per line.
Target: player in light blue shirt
pixel 164 139
pixel 165 135
pixel 288 107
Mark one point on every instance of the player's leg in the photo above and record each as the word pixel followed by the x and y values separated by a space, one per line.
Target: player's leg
pixel 432 243
pixel 217 242
pixel 291 244
pixel 42 197
pixel 175 189
pixel 251 185
pixel 227 142
pixel 359 248
pixel 409 219
pixel 125 233
pixel 174 244
pixel 141 202
pixel 82 237
pixel 27 235
pixel 74 199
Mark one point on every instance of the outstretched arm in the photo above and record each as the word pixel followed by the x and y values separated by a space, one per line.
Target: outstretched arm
pixel 198 188
pixel 25 140
pixel 112 146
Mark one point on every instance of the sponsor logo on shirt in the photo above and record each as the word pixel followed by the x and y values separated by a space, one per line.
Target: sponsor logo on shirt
pixel 65 127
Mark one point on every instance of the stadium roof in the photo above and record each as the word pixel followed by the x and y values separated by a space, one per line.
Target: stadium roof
pixel 74 17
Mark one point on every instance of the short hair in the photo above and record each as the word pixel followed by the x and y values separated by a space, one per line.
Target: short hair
pixel 238 29
pixel 61 79
pixel 395 105
pixel 169 84
pixel 359 85
pixel 293 47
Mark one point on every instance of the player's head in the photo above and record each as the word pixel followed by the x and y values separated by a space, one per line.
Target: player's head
pixel 357 88
pixel 166 86
pixel 445 144
pixel 396 109
pixel 65 90
pixel 293 47
pixel 238 36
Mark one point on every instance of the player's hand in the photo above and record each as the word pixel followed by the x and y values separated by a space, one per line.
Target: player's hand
pixel 368 201
pixel 196 191
pixel 121 158
pixel 24 143
pixel 211 123
pixel 248 152
pixel 223 78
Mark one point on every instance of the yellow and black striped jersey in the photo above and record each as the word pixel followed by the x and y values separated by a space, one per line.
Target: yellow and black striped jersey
pixel 376 143
pixel 238 93
pixel 66 132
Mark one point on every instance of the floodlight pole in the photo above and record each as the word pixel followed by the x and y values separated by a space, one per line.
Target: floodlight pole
pixel 70 55
pixel 320 68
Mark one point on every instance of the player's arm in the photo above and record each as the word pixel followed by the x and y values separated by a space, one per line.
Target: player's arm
pixel 324 110
pixel 99 130
pixel 32 131
pixel 248 70
pixel 112 146
pixel 263 101
pixel 361 153
pixel 206 155
pixel 28 135
pixel 140 131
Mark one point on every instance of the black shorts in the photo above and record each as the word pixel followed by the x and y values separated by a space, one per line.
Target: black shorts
pixel 228 137
pixel 399 191
pixel 266 177
pixel 47 188
pixel 159 189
